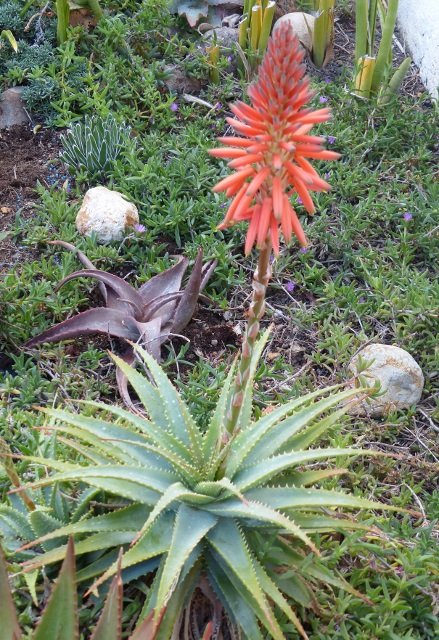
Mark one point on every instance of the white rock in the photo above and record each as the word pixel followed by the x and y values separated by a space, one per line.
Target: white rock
pixel 399 375
pixel 303 26
pixel 107 214
pixel 419 26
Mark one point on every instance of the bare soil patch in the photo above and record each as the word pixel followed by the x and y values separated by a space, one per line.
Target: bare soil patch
pixel 24 160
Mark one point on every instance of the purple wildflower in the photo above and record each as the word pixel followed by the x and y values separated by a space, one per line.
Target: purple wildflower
pixel 303 249
pixel 408 216
pixel 139 228
pixel 290 286
pixel 331 139
pixel 323 99
pixel 299 200
pixel 174 106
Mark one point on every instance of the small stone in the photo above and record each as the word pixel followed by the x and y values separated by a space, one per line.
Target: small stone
pixel 225 37
pixel 302 24
pixel 12 111
pixel 5 210
pixel 177 81
pixel 399 375
pixel 107 214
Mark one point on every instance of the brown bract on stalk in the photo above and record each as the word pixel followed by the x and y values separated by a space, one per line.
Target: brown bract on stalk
pixel 271 156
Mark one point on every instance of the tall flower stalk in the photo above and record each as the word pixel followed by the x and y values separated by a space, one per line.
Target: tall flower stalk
pixel 271 156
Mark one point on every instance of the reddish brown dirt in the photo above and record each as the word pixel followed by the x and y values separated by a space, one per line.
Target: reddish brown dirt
pixel 24 160
pixel 209 337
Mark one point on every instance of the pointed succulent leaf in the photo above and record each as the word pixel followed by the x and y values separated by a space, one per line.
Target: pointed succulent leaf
pixel 98 320
pixel 307 478
pixel 170 616
pixel 124 291
pixel 149 627
pixel 148 478
pixel 43 523
pixel 96 542
pixel 52 625
pixel 191 527
pixel 161 307
pixel 109 626
pixel 313 432
pixel 8 614
pixel 126 519
pixel 295 587
pixel 282 433
pixel 287 555
pixel 176 492
pixel 167 281
pixel 258 512
pixel 118 442
pixel 248 438
pixel 206 272
pixel 297 498
pixel 148 394
pixel 178 415
pixel 216 428
pixel 276 596
pixel 152 335
pixel 311 523
pixel 230 545
pixel 160 437
pixel 13 522
pixel 154 543
pixel 233 600
pixel 88 451
pixel 260 473
pixel 187 303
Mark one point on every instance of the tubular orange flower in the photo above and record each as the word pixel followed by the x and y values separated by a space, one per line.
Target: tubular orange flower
pixel 271 150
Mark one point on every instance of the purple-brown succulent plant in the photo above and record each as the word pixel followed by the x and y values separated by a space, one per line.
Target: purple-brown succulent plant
pixel 148 315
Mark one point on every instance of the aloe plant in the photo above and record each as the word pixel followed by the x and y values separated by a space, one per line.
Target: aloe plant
pixel 323 33
pixel 54 626
pixel 373 74
pixel 232 510
pixel 150 314
pixel 94 144
pixel 255 28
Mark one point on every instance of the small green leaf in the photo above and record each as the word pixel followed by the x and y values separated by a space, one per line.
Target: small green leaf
pixel 53 625
pixel 191 526
pixel 109 626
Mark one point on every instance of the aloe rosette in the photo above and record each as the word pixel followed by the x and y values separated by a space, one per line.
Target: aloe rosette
pixel 158 309
pixel 199 507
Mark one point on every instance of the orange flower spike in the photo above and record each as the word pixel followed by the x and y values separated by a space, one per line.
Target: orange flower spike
pixel 272 148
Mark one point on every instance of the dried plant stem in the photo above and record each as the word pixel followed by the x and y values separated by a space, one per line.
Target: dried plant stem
pixel 8 465
pixel 261 278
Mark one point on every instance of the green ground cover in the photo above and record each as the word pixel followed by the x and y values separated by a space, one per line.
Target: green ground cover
pixel 370 274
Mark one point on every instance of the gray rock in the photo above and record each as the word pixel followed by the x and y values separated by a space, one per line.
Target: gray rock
pixel 12 111
pixel 399 375
pixel 177 82
pixel 226 37
pixel 107 214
